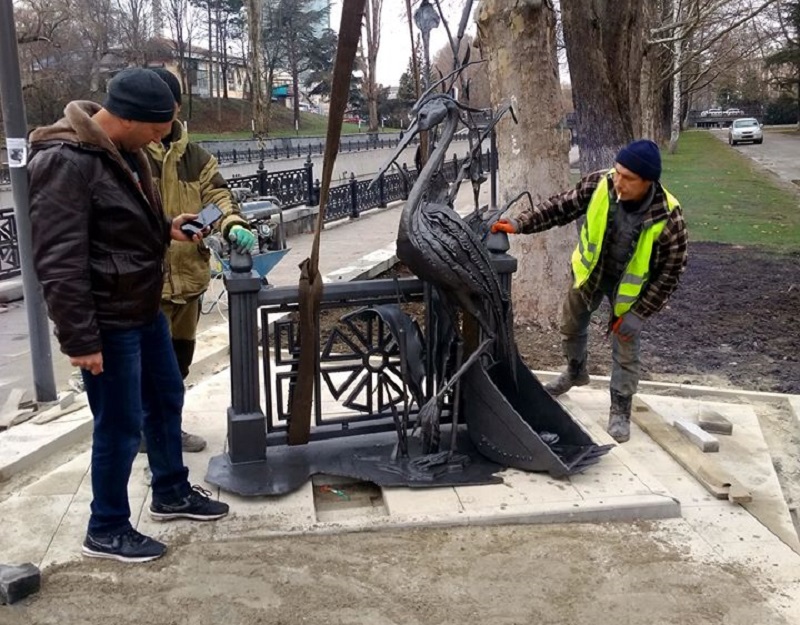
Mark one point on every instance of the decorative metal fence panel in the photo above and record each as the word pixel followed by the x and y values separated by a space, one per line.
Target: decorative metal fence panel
pixel 9 250
pixel 359 378
pixel 395 187
pixel 339 203
pixel 291 186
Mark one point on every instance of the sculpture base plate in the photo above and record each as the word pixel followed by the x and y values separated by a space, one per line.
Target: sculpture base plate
pixel 368 458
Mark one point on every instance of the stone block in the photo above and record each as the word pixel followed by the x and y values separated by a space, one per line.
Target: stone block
pixel 712 421
pixel 700 438
pixel 17 582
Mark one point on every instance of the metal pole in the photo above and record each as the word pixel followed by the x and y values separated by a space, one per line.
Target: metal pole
pixel 493 169
pixel 16 128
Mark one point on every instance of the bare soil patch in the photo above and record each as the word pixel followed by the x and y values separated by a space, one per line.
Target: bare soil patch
pixel 733 321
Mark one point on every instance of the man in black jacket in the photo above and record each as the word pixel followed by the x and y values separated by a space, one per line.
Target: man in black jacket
pixel 99 239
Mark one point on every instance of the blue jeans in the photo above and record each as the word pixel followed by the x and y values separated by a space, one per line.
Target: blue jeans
pixel 140 390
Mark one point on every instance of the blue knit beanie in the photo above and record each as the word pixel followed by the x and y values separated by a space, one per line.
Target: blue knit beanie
pixel 642 158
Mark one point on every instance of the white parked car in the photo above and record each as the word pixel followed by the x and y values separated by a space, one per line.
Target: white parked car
pixel 745 129
pixel 734 112
pixel 711 113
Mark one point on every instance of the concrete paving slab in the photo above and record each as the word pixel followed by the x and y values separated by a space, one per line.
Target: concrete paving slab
pixel 28 524
pixel 744 455
pixel 64 480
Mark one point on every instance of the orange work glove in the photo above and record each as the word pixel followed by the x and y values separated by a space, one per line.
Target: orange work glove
pixel 628 326
pixel 509 226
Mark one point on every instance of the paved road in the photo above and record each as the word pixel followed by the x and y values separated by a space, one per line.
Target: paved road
pixel 780 152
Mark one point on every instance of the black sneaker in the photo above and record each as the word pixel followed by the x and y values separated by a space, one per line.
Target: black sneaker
pixel 127 546
pixel 197 505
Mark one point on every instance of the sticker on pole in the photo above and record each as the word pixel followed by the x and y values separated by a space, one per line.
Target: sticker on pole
pixel 17 152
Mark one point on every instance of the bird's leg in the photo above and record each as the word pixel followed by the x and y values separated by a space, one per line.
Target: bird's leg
pixel 403 428
pixel 463 369
pixel 456 402
pixel 401 449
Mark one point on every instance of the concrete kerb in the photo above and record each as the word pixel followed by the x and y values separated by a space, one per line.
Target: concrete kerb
pixel 690 390
pixel 10 290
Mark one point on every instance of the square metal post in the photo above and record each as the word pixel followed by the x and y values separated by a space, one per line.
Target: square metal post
pixel 247 425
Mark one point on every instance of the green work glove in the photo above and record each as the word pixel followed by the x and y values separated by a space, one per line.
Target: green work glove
pixel 241 238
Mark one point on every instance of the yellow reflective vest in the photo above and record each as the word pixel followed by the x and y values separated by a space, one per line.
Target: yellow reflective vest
pixel 590 247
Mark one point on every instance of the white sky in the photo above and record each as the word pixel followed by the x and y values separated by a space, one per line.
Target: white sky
pixel 395 46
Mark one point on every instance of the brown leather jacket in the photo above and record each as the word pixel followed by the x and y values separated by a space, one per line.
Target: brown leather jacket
pixel 99 236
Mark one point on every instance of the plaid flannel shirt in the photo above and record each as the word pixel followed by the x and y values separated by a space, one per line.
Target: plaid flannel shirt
pixel 670 252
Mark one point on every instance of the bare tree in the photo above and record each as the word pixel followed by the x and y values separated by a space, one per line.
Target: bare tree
pixel 254 33
pixel 371 43
pixel 519 41
pixel 701 38
pixel 474 79
pixel 135 29
pixel 177 17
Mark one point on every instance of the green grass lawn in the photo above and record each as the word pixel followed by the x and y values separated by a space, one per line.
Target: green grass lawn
pixel 310 126
pixel 726 198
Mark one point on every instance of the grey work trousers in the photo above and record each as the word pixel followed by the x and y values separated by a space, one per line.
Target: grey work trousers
pixel 575 316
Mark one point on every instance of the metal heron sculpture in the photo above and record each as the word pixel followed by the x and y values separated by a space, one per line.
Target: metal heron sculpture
pixel 440 248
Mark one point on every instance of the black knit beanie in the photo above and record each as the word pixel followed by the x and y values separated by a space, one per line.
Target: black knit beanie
pixel 642 158
pixel 140 95
pixel 171 80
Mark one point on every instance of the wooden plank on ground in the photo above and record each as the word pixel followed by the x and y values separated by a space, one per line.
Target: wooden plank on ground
pixel 701 439
pixel 703 468
pixel 712 421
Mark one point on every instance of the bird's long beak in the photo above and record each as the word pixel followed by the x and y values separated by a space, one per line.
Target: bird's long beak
pixel 407 137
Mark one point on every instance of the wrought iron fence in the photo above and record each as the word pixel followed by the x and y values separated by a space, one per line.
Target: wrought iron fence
pixel 307 148
pixel 297 187
pixel 359 381
pixel 9 250
pixel 359 359
pixel 293 187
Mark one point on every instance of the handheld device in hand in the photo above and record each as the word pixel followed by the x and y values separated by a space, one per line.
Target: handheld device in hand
pixel 205 218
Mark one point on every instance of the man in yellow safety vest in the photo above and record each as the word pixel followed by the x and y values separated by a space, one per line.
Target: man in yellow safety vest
pixel 632 249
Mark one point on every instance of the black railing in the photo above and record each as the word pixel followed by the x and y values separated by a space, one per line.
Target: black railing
pixel 9 250
pixel 297 187
pixel 292 187
pixel 359 359
pixel 289 149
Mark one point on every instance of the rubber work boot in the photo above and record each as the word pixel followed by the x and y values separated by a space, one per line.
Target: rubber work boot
pixel 575 375
pixel 619 418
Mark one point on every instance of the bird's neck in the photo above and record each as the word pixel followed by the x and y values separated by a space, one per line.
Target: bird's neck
pixel 434 163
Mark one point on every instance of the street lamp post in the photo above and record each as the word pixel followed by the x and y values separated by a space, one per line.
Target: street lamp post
pixel 16 129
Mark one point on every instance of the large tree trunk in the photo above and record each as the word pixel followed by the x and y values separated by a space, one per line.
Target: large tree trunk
pixel 604 48
pixel 520 44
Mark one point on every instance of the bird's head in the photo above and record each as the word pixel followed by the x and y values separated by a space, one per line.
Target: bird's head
pixel 433 112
